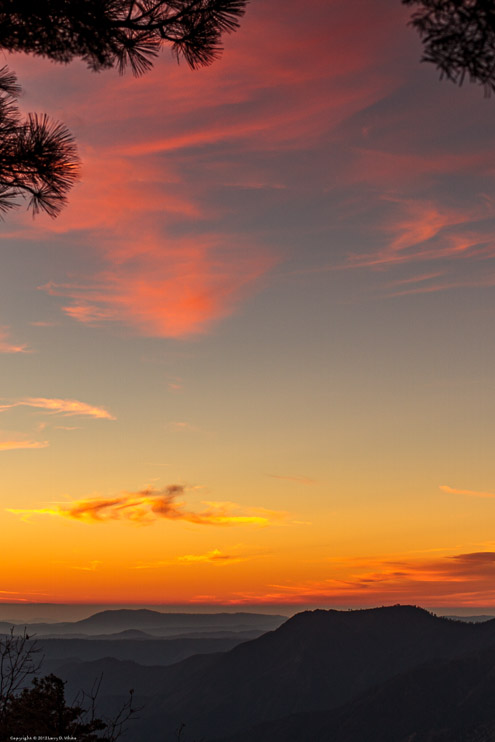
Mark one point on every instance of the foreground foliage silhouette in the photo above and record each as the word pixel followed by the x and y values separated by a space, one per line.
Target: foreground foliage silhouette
pixel 41 709
pixel 38 157
pixel 458 37
pixel 118 33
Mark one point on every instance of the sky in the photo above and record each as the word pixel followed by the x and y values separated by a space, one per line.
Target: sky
pixel 252 360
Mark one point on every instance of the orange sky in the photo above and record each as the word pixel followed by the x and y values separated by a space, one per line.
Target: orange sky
pixel 252 360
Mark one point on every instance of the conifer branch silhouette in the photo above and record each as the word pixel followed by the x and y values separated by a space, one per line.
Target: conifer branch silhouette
pixel 38 156
pixel 119 33
pixel 458 37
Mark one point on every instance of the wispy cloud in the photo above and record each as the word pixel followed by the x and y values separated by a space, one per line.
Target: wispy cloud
pixel 427 244
pixel 66 407
pixel 91 567
pixel 14 596
pixel 21 444
pixel 426 230
pixel 167 257
pixel 215 556
pixel 469 493
pixel 150 505
pixel 459 579
pixel 7 346
pixel 167 288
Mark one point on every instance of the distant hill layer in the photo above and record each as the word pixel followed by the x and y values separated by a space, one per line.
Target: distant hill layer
pixel 154 622
pixel 147 651
pixel 314 663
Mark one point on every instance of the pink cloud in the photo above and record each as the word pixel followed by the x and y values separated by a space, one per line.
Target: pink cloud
pixel 145 203
pixel 168 256
pixel 7 346
pixel 168 290
pixel 427 232
pixel 445 283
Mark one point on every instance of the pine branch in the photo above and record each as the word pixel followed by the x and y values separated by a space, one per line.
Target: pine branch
pixel 38 157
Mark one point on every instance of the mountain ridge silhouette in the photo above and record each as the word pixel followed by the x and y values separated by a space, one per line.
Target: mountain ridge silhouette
pixel 317 661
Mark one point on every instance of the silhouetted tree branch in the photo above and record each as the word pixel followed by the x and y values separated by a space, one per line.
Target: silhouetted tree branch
pixel 458 37
pixel 114 726
pixel 38 158
pixel 179 731
pixel 19 661
pixel 117 33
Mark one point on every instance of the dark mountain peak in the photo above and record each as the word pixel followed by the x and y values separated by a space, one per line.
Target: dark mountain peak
pixel 393 613
pixel 359 618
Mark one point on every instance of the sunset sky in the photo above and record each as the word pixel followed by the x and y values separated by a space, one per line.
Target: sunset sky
pixel 252 360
